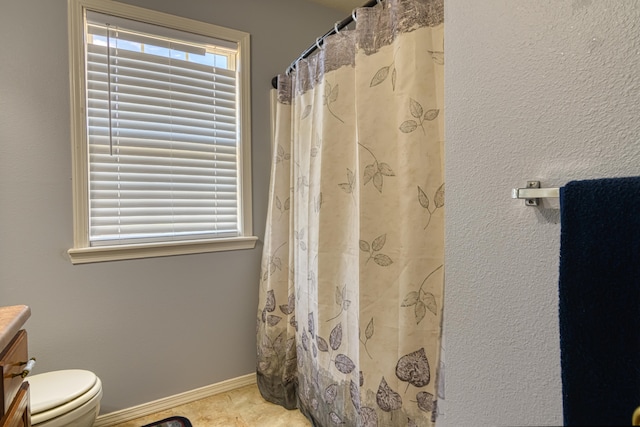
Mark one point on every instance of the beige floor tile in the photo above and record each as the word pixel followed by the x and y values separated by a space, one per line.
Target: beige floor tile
pixel 243 407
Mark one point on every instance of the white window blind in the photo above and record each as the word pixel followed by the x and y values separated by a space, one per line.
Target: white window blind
pixel 162 127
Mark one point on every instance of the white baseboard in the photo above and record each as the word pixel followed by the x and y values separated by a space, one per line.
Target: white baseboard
pixel 145 409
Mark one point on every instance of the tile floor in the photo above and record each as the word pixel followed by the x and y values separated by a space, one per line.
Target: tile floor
pixel 243 407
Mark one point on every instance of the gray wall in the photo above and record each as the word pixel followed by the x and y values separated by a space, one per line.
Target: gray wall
pixel 546 90
pixel 149 328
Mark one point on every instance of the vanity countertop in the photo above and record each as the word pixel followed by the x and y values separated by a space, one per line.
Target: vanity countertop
pixel 12 318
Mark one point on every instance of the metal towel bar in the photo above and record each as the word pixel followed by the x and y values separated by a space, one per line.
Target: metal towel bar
pixel 532 193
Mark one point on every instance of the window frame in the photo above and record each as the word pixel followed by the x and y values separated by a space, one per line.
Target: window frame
pixel 82 252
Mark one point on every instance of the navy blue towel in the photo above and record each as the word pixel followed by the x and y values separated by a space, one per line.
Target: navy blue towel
pixel 599 304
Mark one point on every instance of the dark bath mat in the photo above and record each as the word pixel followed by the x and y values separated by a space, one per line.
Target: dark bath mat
pixel 171 422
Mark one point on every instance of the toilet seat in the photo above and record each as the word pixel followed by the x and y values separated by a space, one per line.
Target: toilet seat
pixel 54 394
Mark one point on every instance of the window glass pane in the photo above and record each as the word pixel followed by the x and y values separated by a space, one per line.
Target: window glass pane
pixel 206 59
pixel 156 50
pixel 176 54
pixel 221 61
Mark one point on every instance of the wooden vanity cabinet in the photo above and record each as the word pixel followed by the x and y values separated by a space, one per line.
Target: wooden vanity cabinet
pixel 18 413
pixel 15 402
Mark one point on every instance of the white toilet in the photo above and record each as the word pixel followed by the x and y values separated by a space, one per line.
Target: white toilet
pixel 64 398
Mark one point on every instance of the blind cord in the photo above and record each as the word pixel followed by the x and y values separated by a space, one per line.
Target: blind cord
pixel 109 88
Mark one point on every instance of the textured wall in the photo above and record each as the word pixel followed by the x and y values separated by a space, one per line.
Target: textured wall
pixel 149 328
pixel 546 90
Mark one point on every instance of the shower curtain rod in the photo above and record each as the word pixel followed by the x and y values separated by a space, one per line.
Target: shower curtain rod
pixel 337 27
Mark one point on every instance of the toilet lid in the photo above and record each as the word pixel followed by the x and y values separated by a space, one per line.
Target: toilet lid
pixel 56 388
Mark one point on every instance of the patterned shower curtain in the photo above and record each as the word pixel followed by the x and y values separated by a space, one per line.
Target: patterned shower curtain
pixel 351 289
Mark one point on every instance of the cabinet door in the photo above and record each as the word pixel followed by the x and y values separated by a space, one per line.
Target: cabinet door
pixel 12 361
pixel 18 414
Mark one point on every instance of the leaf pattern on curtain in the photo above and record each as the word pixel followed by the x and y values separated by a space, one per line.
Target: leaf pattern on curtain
pixel 382 75
pixel 420 115
pixel 376 171
pixel 351 288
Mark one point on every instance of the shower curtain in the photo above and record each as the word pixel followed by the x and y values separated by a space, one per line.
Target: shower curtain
pixel 351 288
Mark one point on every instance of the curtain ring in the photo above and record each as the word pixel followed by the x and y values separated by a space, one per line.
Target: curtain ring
pixel 293 66
pixel 353 16
pixel 335 27
pixel 318 43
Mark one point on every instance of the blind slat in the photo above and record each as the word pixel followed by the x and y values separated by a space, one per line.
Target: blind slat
pixel 152 204
pixel 204 170
pixel 162 195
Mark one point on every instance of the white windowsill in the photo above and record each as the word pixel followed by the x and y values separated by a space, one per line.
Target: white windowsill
pixel 151 250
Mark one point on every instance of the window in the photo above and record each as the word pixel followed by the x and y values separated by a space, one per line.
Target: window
pixel 161 135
